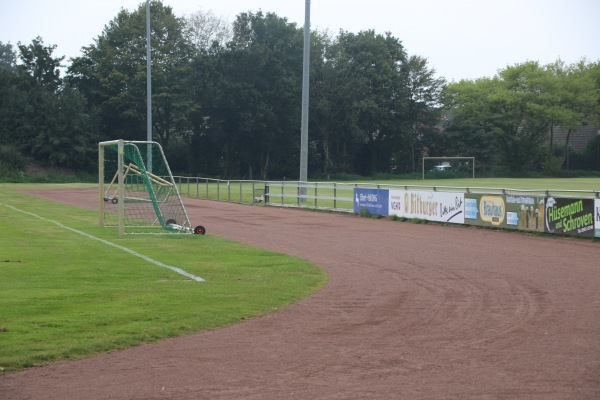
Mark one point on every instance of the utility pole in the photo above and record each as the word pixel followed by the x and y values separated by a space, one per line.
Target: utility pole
pixel 148 89
pixel 305 92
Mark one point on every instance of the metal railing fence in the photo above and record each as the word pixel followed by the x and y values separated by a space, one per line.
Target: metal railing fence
pixel 333 196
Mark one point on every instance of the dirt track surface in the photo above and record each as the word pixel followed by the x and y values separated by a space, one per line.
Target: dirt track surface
pixel 411 312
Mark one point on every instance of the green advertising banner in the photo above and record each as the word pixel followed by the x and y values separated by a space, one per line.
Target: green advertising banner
pixel 505 211
pixel 597 217
pixel 569 216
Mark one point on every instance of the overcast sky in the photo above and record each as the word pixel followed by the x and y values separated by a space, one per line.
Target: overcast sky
pixel 462 39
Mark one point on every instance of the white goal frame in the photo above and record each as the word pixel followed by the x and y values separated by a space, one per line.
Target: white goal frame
pixel 115 192
pixel 472 159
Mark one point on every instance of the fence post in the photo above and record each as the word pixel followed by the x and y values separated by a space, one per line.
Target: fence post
pixel 334 196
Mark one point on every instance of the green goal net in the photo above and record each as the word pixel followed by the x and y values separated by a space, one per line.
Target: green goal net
pixel 138 192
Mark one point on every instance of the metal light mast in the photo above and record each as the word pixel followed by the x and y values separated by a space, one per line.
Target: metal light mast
pixel 148 87
pixel 305 92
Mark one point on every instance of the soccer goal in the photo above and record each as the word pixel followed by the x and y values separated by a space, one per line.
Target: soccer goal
pixel 137 191
pixel 455 167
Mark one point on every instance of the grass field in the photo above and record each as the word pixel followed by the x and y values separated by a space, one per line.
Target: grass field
pixel 64 295
pixel 67 296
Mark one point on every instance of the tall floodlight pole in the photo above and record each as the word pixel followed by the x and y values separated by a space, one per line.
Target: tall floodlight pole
pixel 305 91
pixel 148 89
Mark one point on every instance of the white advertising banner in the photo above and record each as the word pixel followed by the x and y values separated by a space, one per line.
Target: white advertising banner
pixel 430 206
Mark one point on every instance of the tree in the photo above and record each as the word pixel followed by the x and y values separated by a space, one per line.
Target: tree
pixel 112 75
pixel 8 56
pixel 207 30
pixel 576 99
pixel 65 132
pixel 370 92
pixel 11 100
pixel 424 91
pixel 38 62
pixel 257 102
pixel 324 110
pixel 8 92
pixel 41 117
pixel 516 110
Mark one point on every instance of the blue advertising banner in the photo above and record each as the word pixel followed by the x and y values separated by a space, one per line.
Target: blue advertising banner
pixel 471 208
pixel 372 201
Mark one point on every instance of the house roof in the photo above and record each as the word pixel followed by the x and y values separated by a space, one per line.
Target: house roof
pixel 578 139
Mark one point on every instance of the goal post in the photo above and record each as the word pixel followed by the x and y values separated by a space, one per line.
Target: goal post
pixel 138 193
pixel 449 165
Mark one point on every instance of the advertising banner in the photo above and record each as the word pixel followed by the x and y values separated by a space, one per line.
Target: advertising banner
pixel 372 201
pixel 430 206
pixel 525 212
pixel 533 213
pixel 570 216
pixel 505 211
pixel 597 217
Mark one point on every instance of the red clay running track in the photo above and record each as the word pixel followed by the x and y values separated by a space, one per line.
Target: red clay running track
pixel 411 312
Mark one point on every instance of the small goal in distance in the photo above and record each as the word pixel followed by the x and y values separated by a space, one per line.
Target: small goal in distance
pixel 137 191
pixel 464 165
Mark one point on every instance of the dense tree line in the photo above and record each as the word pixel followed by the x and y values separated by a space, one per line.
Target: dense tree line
pixel 508 120
pixel 226 101
pixel 42 117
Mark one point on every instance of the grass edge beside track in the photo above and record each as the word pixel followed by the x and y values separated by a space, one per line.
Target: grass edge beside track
pixel 52 310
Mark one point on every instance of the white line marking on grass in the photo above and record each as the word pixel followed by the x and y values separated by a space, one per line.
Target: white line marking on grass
pixel 125 249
